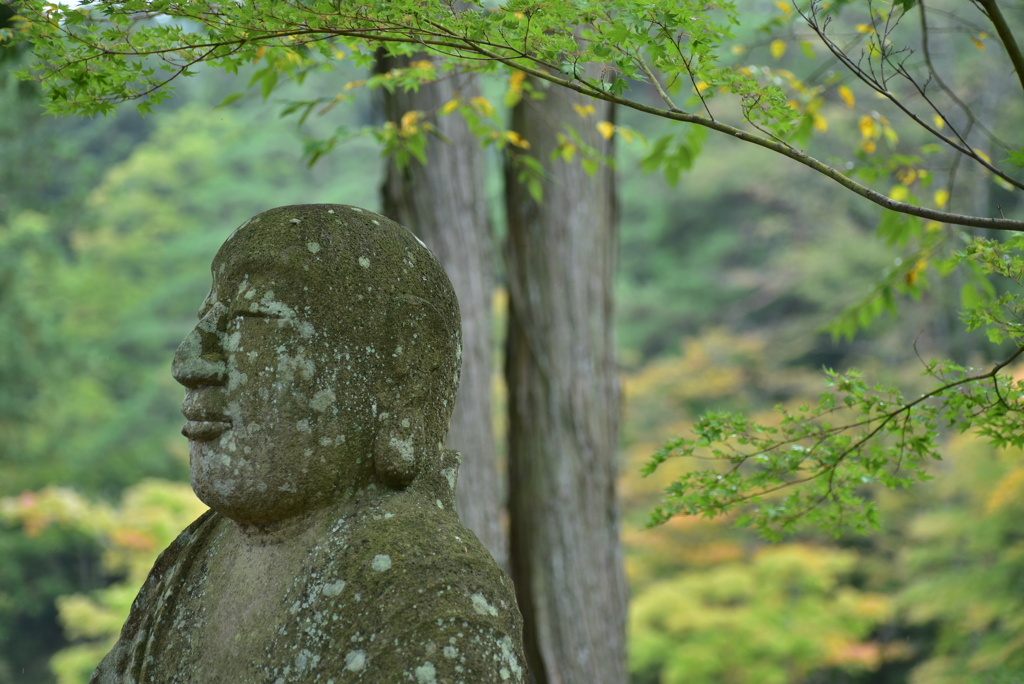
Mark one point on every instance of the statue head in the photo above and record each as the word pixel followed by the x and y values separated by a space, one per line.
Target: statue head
pixel 324 366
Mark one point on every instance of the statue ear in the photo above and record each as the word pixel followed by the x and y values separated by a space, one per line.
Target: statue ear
pixel 398 448
pixel 414 338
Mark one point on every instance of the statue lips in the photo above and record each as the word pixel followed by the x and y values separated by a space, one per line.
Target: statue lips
pixel 205 421
pixel 205 430
pixel 203 426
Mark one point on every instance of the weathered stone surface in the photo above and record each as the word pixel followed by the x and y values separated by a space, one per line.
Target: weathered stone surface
pixel 319 384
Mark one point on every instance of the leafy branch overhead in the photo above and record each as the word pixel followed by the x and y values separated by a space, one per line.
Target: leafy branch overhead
pixel 93 57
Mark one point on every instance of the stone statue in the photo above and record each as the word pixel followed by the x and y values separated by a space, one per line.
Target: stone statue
pixel 319 383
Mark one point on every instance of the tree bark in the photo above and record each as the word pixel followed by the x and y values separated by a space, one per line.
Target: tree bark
pixel 564 405
pixel 444 203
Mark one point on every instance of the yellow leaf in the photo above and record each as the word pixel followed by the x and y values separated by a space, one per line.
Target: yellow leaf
pixel 941 197
pixel 584 110
pixel 869 129
pixel 919 267
pixel 977 43
pixel 982 155
pixel 702 86
pixel 353 84
pixel 899 193
pixel 846 95
pixel 820 123
pixel 482 105
pixel 777 48
pixel 626 134
pixel 906 176
pixel 784 6
pixel 338 54
pixel 737 50
pixel 568 151
pixel 449 107
pixel 517 140
pixel 1002 182
pixel 938 121
pixel 515 81
pixel 932 226
pixel 869 146
pixel 890 135
pixel 865 28
pixel 409 120
pixel 606 129
pixel 424 64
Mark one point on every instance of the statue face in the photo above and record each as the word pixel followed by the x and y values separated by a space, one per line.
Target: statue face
pixel 278 420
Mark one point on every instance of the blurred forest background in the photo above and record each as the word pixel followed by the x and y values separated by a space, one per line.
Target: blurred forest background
pixel 107 229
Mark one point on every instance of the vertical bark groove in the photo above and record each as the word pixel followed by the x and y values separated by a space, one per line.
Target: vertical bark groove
pixel 564 406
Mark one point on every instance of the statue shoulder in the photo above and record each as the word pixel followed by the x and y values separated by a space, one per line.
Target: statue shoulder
pixel 171 564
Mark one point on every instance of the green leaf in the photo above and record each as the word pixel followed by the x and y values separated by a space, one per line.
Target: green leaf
pixel 268 82
pixel 1016 158
pixel 233 97
pixel 970 297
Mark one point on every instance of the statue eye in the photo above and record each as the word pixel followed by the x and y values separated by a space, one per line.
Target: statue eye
pixel 257 313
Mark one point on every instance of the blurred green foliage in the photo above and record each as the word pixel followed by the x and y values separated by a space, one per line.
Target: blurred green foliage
pixel 148 518
pixel 775 618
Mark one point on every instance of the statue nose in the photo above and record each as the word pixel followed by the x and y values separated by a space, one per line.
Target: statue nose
pixel 199 360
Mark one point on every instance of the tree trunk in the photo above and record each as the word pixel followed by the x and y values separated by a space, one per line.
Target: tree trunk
pixel 444 203
pixel 564 405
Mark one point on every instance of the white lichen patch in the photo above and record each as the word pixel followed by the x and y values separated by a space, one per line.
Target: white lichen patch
pixel 449 474
pixel 381 562
pixel 323 400
pixel 236 378
pixel 313 247
pixel 482 606
pixel 364 262
pixel 404 448
pixel 273 307
pixel 508 653
pixel 426 673
pixel 306 659
pixel 295 221
pixel 334 588
pixel 450 652
pixel 355 661
pixel 303 426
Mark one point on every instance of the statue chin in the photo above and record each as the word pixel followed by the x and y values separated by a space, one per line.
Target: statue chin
pixel 239 495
